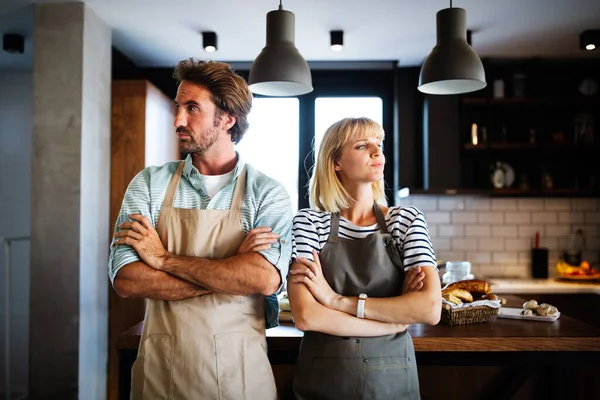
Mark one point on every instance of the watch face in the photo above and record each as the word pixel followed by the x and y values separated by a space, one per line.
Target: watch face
pixel 588 87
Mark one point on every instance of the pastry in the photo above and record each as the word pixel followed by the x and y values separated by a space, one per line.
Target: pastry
pixel 530 305
pixel 490 296
pixel 472 286
pixel 546 310
pixel 452 298
pixel 527 312
pixel 460 293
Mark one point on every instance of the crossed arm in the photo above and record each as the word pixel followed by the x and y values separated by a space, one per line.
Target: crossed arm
pixel 165 276
pixel 316 307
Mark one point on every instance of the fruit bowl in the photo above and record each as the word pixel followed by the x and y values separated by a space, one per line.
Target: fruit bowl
pixel 581 272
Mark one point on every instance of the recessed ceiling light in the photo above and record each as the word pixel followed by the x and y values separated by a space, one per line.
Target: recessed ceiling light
pixel 337 40
pixel 209 41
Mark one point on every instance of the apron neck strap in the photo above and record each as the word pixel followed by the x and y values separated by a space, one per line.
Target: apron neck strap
pixel 333 228
pixel 238 192
pixel 173 183
pixel 380 218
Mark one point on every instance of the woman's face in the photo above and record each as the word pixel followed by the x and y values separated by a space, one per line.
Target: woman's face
pixel 361 160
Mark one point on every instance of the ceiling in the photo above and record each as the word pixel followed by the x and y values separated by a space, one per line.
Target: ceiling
pixel 157 33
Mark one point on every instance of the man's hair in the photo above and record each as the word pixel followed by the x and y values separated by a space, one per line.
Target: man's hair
pixel 326 190
pixel 229 91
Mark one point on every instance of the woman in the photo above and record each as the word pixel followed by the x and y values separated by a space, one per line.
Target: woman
pixel 349 245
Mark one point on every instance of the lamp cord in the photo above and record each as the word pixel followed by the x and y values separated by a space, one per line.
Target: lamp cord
pixel 450 3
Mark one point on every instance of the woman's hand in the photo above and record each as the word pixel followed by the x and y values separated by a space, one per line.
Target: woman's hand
pixel 311 274
pixel 413 281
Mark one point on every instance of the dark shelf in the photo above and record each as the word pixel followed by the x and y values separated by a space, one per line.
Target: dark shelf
pixel 529 146
pixel 580 100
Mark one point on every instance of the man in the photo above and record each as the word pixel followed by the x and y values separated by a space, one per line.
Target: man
pixel 187 240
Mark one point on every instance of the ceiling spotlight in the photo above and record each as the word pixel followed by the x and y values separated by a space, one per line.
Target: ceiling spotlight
pixel 280 69
pixel 209 41
pixel 453 67
pixel 13 43
pixel 337 40
pixel 589 39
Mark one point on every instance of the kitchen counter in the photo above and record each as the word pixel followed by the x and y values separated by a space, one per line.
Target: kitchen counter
pixel 543 286
pixel 501 342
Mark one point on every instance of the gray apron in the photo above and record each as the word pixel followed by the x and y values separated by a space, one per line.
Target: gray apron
pixel 333 367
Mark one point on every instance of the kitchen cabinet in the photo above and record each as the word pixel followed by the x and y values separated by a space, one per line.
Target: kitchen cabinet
pixel 142 134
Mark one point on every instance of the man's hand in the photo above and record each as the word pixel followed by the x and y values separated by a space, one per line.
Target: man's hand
pixel 258 239
pixel 413 281
pixel 141 235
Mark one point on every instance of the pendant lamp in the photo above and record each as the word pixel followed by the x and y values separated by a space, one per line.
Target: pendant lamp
pixel 280 69
pixel 453 67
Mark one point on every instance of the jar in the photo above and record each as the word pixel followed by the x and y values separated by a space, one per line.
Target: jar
pixel 457 271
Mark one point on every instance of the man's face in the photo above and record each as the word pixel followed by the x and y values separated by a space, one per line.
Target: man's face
pixel 198 126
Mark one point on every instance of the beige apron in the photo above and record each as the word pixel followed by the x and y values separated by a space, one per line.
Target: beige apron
pixel 206 347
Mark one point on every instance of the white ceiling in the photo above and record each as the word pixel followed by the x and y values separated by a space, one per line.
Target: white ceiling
pixel 161 32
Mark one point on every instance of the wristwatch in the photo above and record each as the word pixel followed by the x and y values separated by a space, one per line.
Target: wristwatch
pixel 360 307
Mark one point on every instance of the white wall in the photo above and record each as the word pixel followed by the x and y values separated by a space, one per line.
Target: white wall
pixel 496 234
pixel 15 194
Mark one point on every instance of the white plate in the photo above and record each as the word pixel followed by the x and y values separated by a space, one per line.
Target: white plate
pixel 515 313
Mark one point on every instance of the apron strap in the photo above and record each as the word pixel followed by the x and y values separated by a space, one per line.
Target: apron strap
pixel 172 188
pixel 380 218
pixel 238 192
pixel 333 228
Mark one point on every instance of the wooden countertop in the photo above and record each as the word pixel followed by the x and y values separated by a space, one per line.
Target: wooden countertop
pixel 501 335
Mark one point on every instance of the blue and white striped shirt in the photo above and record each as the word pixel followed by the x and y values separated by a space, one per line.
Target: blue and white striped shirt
pixel 406 225
pixel 265 203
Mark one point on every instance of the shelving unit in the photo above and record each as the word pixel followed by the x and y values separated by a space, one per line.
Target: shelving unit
pixel 547 141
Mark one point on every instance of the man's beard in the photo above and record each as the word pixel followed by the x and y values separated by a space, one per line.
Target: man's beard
pixel 193 146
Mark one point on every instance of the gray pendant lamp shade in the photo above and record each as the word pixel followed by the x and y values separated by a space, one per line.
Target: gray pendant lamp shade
pixel 280 69
pixel 453 67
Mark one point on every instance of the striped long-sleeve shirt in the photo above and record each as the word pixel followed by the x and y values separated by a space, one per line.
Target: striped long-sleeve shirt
pixel 407 225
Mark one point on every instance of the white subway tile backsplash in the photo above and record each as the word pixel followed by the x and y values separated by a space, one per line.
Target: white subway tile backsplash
pixel 425 203
pixel 517 244
pixel 477 204
pixel 490 244
pixel 490 217
pixel 441 244
pixel 464 217
pixel 505 258
pixel 592 217
pixel 557 204
pixel 544 217
pixel 570 217
pixel 492 271
pixel 451 203
pixel 464 244
pixel 518 218
pixel 585 204
pixel 477 231
pixel 551 243
pixel 517 271
pixel 530 204
pixel 433 230
pixel 496 234
pixel 504 231
pixel 504 204
pixel 437 217
pixel 451 255
pixel 479 257
pixel 529 231
pixel 557 230
pixel 451 230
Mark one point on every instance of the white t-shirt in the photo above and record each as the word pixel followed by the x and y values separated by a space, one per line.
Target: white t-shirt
pixel 407 225
pixel 214 183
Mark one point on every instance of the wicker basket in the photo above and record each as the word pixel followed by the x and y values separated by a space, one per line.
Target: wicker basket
pixel 467 315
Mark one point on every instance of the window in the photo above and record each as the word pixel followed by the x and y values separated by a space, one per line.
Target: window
pixel 271 143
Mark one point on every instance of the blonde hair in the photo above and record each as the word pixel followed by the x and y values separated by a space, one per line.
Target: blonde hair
pixel 326 190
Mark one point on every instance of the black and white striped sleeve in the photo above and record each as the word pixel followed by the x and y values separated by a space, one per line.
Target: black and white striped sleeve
pixel 417 249
pixel 305 238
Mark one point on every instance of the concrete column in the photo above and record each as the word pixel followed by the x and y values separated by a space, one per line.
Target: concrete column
pixel 69 203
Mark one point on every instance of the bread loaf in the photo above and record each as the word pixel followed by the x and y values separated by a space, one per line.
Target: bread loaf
pixel 473 286
pixel 452 299
pixel 460 293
